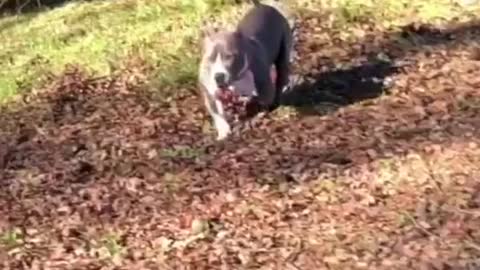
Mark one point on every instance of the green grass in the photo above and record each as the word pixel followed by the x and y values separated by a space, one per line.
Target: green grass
pixel 389 12
pixel 112 244
pixel 11 238
pixel 182 152
pixel 99 34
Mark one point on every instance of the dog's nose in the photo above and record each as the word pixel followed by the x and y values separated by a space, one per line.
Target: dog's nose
pixel 220 78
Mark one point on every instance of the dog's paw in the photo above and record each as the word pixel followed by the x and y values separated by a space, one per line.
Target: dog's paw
pixel 221 137
pixel 223 133
pixel 222 127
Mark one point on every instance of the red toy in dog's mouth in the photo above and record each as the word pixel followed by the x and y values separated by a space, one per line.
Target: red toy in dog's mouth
pixel 233 103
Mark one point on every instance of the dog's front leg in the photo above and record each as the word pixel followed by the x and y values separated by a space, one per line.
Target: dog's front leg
pixel 220 121
pixel 266 92
pixel 222 127
pixel 215 108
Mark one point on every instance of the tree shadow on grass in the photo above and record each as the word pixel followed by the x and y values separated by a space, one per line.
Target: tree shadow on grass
pixel 28 9
pixel 29 6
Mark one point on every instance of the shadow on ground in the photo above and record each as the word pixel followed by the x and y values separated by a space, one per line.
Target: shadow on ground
pixel 382 56
pixel 29 6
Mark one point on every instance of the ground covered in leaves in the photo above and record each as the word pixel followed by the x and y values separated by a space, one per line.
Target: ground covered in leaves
pixel 372 163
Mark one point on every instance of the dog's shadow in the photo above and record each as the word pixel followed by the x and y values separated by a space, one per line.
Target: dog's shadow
pixel 322 93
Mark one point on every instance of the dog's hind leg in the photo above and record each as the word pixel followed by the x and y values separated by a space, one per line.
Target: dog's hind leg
pixel 282 67
pixel 265 86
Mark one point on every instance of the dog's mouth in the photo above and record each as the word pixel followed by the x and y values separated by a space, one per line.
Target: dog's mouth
pixel 224 85
pixel 233 103
pixel 227 96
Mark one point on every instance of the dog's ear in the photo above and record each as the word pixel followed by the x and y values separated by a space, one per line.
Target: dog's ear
pixel 239 37
pixel 238 34
pixel 207 33
pixel 208 30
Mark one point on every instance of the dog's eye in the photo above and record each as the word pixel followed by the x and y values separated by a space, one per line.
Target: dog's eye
pixel 228 57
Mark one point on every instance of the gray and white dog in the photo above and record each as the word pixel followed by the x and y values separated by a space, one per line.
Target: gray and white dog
pixel 241 61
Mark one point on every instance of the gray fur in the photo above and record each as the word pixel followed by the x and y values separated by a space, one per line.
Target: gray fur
pixel 262 38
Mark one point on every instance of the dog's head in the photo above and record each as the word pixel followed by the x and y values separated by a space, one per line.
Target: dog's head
pixel 224 56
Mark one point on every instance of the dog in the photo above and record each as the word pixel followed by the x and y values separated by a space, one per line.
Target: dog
pixel 240 61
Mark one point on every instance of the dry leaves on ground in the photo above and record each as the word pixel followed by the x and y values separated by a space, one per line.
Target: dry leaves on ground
pixel 98 173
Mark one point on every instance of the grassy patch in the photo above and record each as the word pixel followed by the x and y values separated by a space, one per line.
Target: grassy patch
pixel 181 152
pixel 173 183
pixel 388 12
pixel 98 34
pixel 109 248
pixel 111 242
pixel 11 238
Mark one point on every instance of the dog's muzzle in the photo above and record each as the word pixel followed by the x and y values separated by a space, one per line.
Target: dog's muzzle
pixel 220 79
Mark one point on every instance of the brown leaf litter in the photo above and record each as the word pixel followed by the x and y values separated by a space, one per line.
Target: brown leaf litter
pixel 98 173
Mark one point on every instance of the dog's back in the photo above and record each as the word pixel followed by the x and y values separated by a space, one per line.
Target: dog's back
pixel 262 23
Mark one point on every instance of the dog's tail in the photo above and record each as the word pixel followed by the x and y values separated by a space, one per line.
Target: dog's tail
pixel 257 2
